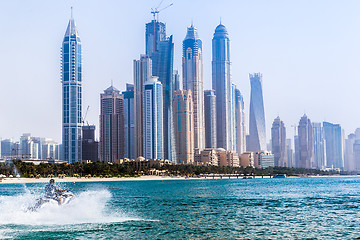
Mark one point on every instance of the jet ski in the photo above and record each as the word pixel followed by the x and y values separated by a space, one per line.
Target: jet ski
pixel 66 197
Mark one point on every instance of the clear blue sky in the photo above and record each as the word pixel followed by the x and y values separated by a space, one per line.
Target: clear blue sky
pixel 308 52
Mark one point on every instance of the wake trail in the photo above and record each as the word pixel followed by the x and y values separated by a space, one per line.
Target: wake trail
pixel 87 207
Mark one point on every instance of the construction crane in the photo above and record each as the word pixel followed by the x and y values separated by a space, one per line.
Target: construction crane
pixel 83 120
pixel 155 11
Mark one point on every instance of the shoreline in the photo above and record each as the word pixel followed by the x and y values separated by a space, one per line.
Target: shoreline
pixel 15 180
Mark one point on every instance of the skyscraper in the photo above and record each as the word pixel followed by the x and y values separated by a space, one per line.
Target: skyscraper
pixel 334 145
pixel 210 118
pixel 184 126
pixel 155 33
pixel 221 83
pixel 160 49
pixel 319 146
pixel 278 140
pixel 162 67
pixel 71 76
pixel 240 122
pixel 111 125
pixel 257 132
pixel 192 63
pixel 90 147
pixel 153 119
pixel 176 80
pixel 129 122
pixel 349 164
pixel 142 72
pixel 306 143
pixel 290 153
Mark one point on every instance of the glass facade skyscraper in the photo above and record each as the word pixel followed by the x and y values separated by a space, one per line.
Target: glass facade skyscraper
pixel 334 145
pixel 210 118
pixel 129 122
pixel 257 132
pixel 319 146
pixel 153 119
pixel 221 82
pixel 193 80
pixel 155 33
pixel 71 74
pixel 162 67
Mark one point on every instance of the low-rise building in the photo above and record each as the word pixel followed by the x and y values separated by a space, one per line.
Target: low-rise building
pixel 247 159
pixel 263 159
pixel 208 156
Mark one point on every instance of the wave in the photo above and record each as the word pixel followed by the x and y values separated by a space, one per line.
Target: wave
pixel 90 206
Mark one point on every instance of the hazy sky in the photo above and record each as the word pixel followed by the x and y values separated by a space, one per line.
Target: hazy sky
pixel 308 52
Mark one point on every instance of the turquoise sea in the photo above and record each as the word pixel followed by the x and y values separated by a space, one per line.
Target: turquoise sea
pixel 292 208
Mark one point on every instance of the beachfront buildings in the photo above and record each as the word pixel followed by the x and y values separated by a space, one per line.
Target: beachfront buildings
pixel 111 125
pixel 184 126
pixel 222 84
pixel 153 119
pixel 71 79
pixel 257 132
pixel 192 63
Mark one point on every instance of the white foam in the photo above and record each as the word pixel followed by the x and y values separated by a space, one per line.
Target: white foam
pixel 86 207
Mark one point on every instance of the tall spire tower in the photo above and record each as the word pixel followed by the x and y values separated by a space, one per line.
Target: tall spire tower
pixel 193 80
pixel 222 84
pixel 71 79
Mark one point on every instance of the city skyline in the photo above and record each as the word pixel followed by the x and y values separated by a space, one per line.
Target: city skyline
pixel 49 79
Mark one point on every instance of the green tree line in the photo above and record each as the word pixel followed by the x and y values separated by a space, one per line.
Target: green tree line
pixel 117 170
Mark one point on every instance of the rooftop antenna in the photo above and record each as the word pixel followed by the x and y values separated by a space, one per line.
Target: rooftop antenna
pixel 71 12
pixel 220 20
pixel 112 83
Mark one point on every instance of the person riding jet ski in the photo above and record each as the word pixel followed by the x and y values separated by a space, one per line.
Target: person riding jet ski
pixel 54 192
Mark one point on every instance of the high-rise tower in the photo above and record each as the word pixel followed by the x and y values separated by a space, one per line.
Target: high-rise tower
pixel 278 142
pixel 210 118
pixel 319 146
pixel 334 145
pixel 129 121
pixel 112 141
pixel 184 128
pixel 192 63
pixel 142 72
pixel 155 33
pixel 153 119
pixel 305 144
pixel 240 122
pixel 257 132
pixel 221 82
pixel 71 78
pixel 160 49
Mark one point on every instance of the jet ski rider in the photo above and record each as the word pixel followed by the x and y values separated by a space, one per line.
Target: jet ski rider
pixel 54 192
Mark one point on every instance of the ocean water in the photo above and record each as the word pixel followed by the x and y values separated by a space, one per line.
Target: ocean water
pixel 292 208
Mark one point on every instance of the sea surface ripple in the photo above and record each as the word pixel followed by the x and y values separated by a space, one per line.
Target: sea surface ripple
pixel 291 208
